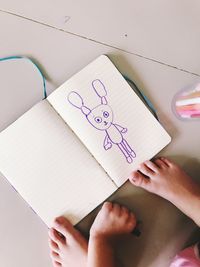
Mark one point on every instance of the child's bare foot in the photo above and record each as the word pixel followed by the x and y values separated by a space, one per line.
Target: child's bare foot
pixel 168 180
pixel 68 247
pixel 112 220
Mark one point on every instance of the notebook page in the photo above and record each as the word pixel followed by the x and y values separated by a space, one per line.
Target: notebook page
pixel 50 168
pixel 109 118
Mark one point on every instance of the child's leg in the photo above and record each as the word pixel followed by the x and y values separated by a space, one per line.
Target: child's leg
pixel 169 181
pixel 68 247
pixel 111 222
pixel 189 257
pixel 166 179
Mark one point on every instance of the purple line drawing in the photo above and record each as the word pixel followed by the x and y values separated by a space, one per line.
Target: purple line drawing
pixel 101 118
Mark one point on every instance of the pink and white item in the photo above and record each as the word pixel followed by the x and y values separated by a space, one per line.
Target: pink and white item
pixel 186 104
pixel 188 257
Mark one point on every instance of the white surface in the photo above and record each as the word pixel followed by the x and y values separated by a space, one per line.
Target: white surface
pixel 166 31
pixel 23 235
pixel 144 134
pixel 39 155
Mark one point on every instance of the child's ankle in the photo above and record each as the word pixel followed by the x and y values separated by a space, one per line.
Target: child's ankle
pixel 96 236
pixel 189 203
pixel 102 238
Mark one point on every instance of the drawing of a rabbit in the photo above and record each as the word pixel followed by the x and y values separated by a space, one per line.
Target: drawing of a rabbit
pixel 101 118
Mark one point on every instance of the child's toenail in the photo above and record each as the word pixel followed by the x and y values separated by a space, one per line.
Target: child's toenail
pixel 59 220
pixel 130 177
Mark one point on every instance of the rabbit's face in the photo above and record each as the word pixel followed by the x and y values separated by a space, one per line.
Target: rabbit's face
pixel 101 117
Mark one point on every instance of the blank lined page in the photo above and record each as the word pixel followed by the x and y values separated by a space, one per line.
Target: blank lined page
pixel 109 118
pixel 50 167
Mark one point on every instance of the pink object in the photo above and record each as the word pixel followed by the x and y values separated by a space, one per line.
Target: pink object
pixel 186 103
pixel 189 257
pixel 190 112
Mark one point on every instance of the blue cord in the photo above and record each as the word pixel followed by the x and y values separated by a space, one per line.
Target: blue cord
pixel 142 96
pixel 133 85
pixel 39 70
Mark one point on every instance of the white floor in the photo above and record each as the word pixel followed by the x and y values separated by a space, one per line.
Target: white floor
pixel 156 43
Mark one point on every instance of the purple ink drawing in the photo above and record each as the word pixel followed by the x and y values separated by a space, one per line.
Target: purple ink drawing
pixel 101 118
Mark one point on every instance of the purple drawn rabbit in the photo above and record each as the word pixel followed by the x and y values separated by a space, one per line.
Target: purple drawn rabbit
pixel 101 117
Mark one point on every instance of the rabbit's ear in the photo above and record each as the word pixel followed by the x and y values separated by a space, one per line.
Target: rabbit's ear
pixel 77 101
pixel 100 90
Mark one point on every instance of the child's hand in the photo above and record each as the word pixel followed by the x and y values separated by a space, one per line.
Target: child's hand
pixel 166 179
pixel 113 220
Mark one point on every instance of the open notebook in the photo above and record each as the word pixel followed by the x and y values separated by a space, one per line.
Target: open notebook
pixel 71 151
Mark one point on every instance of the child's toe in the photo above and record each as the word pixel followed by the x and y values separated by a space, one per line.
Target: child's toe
pixel 145 170
pixel 55 256
pixel 131 221
pixel 56 237
pixel 116 209
pixel 53 245
pixel 57 264
pixel 151 166
pixel 124 211
pixel 63 226
pixel 168 162
pixel 138 179
pixel 107 206
pixel 160 163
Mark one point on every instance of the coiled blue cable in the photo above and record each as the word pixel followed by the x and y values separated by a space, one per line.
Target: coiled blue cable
pixel 37 67
pixel 133 85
